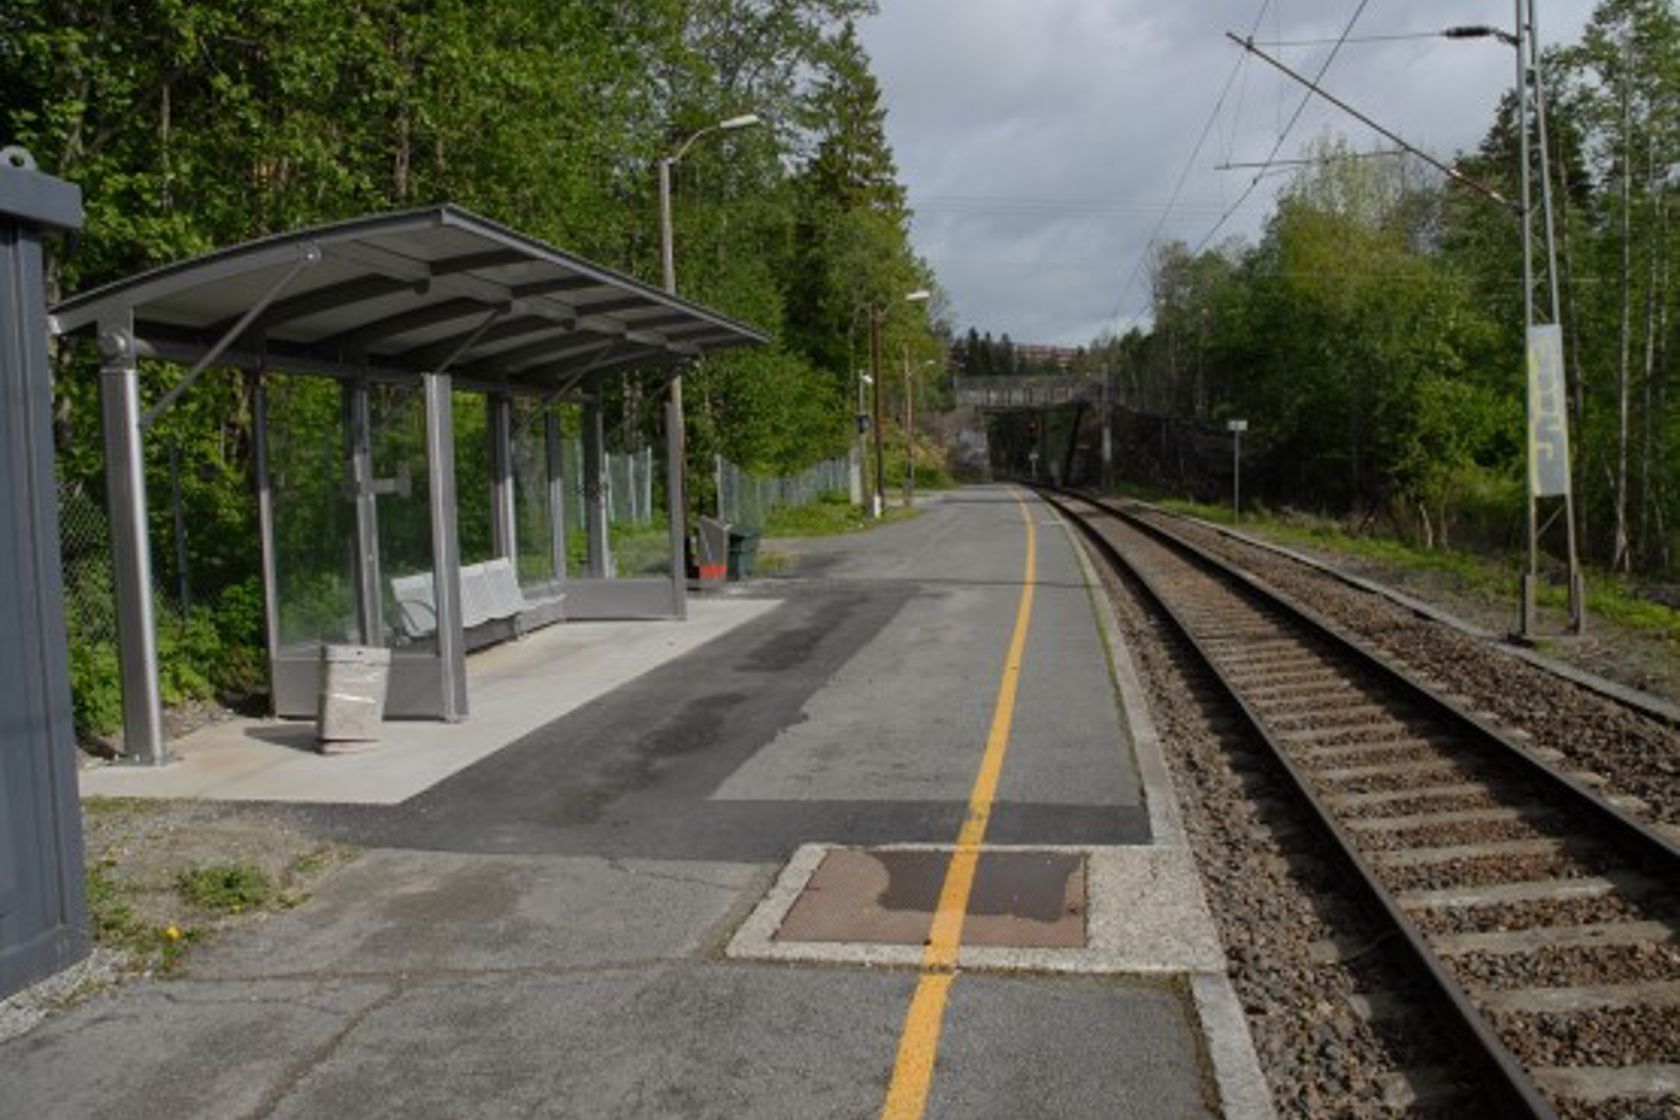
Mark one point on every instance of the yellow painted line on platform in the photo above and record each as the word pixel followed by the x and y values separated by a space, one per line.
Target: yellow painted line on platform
pixel 918 1044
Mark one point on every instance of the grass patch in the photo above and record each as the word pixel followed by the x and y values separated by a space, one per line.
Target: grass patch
pixel 115 921
pixel 1609 597
pixel 226 889
pixel 772 563
pixel 162 876
pixel 830 516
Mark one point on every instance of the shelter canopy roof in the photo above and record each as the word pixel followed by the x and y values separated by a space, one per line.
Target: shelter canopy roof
pixel 406 293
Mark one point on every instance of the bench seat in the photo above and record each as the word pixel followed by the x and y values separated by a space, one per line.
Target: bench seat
pixel 493 607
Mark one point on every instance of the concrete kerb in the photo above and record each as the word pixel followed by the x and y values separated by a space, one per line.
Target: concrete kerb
pixel 1243 1093
pixel 1145 916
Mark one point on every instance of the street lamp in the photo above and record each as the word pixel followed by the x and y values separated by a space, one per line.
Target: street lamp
pixel 920 295
pixel 676 442
pixel 667 255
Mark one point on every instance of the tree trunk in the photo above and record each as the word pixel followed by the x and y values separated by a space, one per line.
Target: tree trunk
pixel 1649 372
pixel 1572 314
pixel 1619 558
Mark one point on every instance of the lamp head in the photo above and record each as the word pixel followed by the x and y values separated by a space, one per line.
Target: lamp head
pixel 920 295
pixel 745 120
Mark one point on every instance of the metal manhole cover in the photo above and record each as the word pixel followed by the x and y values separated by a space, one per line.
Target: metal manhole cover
pixel 1020 900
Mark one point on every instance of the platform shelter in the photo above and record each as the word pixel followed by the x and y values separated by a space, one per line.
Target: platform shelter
pixel 362 340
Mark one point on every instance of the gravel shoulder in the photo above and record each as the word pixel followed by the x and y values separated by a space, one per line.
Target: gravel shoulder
pixel 163 877
pixel 1636 755
pixel 1638 658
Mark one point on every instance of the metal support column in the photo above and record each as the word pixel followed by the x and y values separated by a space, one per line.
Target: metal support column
pixel 502 517
pixel 131 553
pixel 595 511
pixel 446 547
pixel 674 453
pixel 554 451
pixel 265 519
pixel 358 438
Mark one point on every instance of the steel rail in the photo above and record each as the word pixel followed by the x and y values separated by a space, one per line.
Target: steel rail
pixel 1514 1090
pixel 1634 837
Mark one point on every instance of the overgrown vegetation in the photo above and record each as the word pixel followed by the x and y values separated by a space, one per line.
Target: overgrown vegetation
pixel 1610 597
pixel 830 516
pixel 193 124
pixel 162 876
pixel 1373 337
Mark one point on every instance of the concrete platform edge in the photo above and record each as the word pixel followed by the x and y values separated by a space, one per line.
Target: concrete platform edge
pixel 1243 1092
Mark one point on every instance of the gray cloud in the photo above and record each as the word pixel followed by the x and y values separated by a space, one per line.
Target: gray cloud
pixel 1041 138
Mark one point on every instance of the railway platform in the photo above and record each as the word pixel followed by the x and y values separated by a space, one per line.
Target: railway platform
pixel 898 841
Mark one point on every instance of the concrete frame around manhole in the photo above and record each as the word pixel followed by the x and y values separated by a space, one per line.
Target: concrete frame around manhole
pixel 1018 899
pixel 1144 915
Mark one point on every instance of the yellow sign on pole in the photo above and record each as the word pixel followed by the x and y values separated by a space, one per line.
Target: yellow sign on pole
pixel 1548 414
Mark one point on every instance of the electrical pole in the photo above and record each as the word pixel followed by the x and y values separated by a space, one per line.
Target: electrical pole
pixel 1547 411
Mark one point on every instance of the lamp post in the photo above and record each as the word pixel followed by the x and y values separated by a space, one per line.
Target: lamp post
pixel 1547 412
pixel 920 295
pixel 676 442
pixel 1547 420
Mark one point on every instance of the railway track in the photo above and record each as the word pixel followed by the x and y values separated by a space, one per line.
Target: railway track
pixel 1542 921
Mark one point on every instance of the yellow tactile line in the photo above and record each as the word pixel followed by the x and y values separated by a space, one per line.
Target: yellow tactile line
pixel 918 1045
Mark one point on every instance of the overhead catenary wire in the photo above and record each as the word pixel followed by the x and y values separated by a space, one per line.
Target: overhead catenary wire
pixel 1184 174
pixel 1313 87
pixel 1288 127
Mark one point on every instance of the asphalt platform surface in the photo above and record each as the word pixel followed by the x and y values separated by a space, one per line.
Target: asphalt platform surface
pixel 542 933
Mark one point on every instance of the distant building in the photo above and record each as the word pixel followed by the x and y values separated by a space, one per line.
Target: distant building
pixel 1031 356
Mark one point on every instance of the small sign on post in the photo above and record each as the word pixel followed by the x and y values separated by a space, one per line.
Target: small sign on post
pixel 1236 428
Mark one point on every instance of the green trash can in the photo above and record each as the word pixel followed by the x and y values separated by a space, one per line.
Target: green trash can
pixel 743 552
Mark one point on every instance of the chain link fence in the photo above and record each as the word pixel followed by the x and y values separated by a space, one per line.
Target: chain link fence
pixel 748 499
pixel 85 540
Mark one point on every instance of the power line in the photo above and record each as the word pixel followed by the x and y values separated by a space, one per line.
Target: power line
pixel 1184 175
pixel 1284 135
pixel 1313 87
pixel 1394 37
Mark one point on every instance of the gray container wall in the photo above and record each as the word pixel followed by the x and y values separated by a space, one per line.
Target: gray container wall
pixel 43 916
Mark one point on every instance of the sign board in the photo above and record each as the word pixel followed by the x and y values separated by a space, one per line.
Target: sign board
pixel 1236 425
pixel 1548 414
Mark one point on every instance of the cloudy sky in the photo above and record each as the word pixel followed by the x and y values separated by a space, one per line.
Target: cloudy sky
pixel 1041 139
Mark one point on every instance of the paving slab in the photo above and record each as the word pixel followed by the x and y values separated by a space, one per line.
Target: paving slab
pixel 178 1048
pixel 409 912
pixel 1137 1039
pixel 513 689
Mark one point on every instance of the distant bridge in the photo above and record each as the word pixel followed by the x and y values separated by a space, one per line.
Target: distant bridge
pixel 1027 392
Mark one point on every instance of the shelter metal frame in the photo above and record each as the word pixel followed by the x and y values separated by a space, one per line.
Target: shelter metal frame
pixel 436 298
